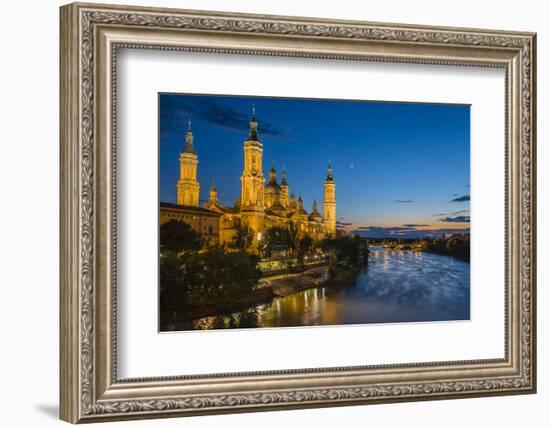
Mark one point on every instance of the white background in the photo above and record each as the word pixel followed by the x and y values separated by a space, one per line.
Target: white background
pixel 29 171
pixel 145 353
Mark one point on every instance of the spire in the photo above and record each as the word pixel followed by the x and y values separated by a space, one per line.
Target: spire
pixel 273 174
pixel 188 148
pixel 300 208
pixel 253 132
pixel 292 201
pixel 329 172
pixel 213 193
pixel 315 215
pixel 300 203
pixel 283 176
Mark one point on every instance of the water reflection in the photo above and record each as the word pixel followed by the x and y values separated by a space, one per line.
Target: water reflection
pixel 401 286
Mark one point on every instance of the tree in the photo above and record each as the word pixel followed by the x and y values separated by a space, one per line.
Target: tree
pixel 174 289
pixel 177 236
pixel 220 278
pixel 249 319
pixel 242 239
pixel 453 247
pixel 275 236
pixel 293 237
pixel 344 250
pixel 304 245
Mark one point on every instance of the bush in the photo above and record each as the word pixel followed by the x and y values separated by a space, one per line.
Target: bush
pixel 453 247
pixel 219 278
pixel 243 239
pixel 177 236
pixel 174 289
pixel 275 237
pixel 344 250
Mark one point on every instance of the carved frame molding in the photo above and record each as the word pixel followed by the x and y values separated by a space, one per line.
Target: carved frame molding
pixel 90 36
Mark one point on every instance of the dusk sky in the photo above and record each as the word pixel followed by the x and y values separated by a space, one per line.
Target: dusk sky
pixel 401 169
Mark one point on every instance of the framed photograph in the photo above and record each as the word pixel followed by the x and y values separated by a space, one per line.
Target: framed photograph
pixel 266 212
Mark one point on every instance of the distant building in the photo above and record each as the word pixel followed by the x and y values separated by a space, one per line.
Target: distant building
pixel 261 205
pixel 456 236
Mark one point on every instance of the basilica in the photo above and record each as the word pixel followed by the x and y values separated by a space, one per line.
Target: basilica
pixel 261 205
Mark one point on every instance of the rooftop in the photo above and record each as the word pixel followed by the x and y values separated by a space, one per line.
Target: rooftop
pixel 185 208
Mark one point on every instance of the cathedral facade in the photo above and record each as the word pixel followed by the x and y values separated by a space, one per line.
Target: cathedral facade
pixel 262 204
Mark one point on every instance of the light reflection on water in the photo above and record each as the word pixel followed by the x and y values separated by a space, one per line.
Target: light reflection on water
pixel 401 286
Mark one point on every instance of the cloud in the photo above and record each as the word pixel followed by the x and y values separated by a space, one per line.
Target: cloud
pixel 461 218
pixel 344 224
pixel 390 230
pixel 415 225
pixel 176 110
pixel 402 201
pixel 463 211
pixel 462 199
pixel 404 232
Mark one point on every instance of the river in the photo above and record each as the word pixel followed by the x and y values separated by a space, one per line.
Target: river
pixel 400 286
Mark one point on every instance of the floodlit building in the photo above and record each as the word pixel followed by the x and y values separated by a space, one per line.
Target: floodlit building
pixel 261 205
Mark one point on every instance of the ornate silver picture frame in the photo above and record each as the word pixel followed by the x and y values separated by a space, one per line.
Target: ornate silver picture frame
pixel 91 390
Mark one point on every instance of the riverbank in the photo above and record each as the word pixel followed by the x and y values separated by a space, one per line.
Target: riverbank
pixel 190 311
pixel 395 287
pixel 451 247
pixel 267 290
pixel 287 284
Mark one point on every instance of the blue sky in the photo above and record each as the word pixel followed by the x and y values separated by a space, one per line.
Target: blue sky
pixel 401 169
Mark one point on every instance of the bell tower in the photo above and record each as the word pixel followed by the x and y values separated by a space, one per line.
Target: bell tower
pixel 187 186
pixel 252 182
pixel 284 190
pixel 329 203
pixel 213 194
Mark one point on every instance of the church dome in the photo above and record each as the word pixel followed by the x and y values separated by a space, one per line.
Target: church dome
pixel 315 216
pixel 277 209
pixel 272 188
pixel 300 211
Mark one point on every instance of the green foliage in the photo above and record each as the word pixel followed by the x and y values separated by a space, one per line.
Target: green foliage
pixel 219 323
pixel 293 238
pixel 304 245
pixel 243 239
pixel 219 278
pixel 453 247
pixel 249 319
pixel 344 250
pixel 177 236
pixel 174 289
pixel 275 236
pixel 212 278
